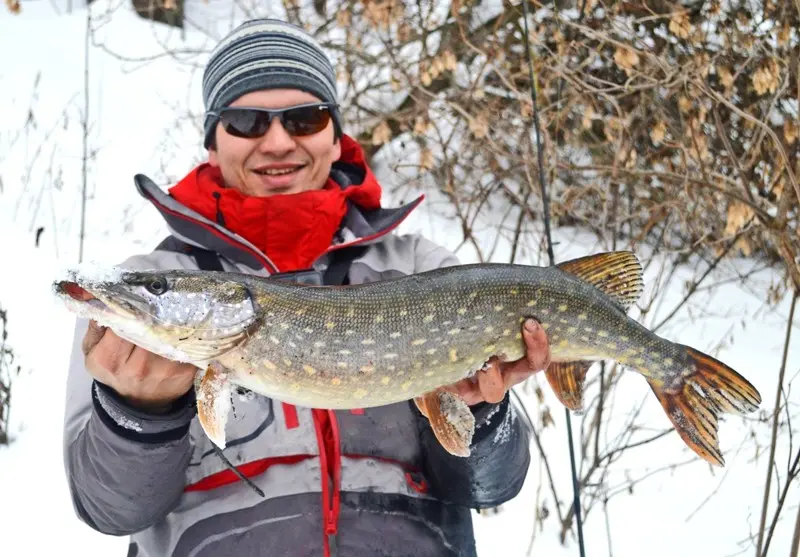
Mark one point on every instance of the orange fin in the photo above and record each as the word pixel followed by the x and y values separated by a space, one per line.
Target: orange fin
pixel 709 389
pixel 212 391
pixel 566 379
pixel 451 420
pixel 420 402
pixel 618 274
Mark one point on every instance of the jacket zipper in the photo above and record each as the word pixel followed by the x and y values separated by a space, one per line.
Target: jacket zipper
pixel 327 430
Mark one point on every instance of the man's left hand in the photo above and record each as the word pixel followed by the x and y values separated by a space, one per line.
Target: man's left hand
pixel 492 383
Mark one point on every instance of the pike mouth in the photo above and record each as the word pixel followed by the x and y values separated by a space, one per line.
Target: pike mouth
pixel 81 295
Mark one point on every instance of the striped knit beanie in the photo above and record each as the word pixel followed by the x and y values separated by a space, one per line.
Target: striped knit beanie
pixel 266 54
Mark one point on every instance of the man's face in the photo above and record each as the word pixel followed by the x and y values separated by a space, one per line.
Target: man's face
pixel 275 163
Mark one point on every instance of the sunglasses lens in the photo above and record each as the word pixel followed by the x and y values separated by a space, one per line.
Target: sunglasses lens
pixel 244 122
pixel 250 123
pixel 306 120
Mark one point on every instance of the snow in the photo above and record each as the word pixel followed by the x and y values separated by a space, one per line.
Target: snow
pixel 691 509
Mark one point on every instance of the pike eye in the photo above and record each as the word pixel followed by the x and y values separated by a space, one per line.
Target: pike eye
pixel 156 286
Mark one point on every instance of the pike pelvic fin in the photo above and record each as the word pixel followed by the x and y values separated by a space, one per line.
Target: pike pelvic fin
pixel 567 379
pixel 618 274
pixel 212 391
pixel 451 420
pixel 709 389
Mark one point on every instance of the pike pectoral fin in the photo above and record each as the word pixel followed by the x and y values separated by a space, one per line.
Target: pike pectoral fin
pixel 212 390
pixel 451 420
pixel 709 389
pixel 420 402
pixel 618 274
pixel 567 379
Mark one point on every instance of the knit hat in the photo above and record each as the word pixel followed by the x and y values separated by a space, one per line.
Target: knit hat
pixel 266 54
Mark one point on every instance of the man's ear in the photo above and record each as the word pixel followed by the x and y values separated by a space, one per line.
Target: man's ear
pixel 337 151
pixel 213 159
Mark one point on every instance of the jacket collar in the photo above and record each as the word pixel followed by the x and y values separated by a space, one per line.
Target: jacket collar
pixel 359 226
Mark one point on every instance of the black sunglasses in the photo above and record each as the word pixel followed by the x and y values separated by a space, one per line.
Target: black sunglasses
pixel 251 122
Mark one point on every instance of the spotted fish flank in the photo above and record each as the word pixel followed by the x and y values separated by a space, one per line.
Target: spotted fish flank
pixel 406 338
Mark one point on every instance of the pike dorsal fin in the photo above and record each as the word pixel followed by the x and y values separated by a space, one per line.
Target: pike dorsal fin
pixel 618 274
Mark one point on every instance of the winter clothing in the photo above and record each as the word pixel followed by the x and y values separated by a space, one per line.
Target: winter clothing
pixel 353 483
pixel 292 229
pixel 265 54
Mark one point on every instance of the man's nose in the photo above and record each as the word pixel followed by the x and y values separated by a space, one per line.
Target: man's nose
pixel 276 140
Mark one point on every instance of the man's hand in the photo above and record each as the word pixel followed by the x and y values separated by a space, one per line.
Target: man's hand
pixel 492 383
pixel 146 380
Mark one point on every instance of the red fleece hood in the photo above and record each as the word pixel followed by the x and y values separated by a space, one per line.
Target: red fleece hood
pixel 293 230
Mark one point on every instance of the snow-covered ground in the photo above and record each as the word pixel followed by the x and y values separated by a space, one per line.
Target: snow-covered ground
pixel 133 106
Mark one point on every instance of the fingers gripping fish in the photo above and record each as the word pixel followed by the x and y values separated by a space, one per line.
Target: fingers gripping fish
pixel 357 346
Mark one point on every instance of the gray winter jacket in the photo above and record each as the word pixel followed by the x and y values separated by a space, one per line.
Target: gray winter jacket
pixel 350 483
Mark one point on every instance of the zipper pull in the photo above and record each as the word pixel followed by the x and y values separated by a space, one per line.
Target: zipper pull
pixel 220 218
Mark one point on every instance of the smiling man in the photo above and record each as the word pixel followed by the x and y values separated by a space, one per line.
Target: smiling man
pixel 284 191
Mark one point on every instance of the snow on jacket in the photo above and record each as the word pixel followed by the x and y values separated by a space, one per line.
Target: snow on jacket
pixel 355 483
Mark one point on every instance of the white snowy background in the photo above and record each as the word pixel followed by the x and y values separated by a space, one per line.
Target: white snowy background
pixel 132 110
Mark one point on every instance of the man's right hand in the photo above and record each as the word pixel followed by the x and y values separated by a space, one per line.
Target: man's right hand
pixel 146 380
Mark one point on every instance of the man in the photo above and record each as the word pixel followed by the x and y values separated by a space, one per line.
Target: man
pixel 287 194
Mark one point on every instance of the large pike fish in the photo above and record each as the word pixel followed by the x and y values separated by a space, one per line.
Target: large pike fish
pixel 379 343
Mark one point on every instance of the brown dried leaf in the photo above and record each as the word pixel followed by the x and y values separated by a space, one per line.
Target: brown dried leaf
pixel 725 77
pixel 450 61
pixel 13 6
pixel 767 77
pixel 626 59
pixel 421 125
pixel 702 61
pixel 633 156
pixel 684 104
pixel 738 215
pixel 526 108
pixel 777 189
pixel 381 134
pixel 743 245
pixel 437 68
pixel 679 24
pixel 479 126
pixel 404 32
pixel 791 131
pixel 784 33
pixel 426 78
pixel 658 132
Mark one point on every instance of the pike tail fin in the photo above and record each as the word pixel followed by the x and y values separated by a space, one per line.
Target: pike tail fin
pixel 709 389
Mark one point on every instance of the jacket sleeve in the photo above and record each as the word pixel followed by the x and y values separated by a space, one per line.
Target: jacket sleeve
pixel 500 457
pixel 125 469
pixel 496 468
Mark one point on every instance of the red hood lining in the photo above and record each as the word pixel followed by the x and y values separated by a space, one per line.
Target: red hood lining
pixel 291 230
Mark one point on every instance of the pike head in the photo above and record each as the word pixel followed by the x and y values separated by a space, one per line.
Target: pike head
pixel 187 316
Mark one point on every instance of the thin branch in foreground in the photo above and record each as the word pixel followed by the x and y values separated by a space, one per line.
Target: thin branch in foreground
pixel 774 441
